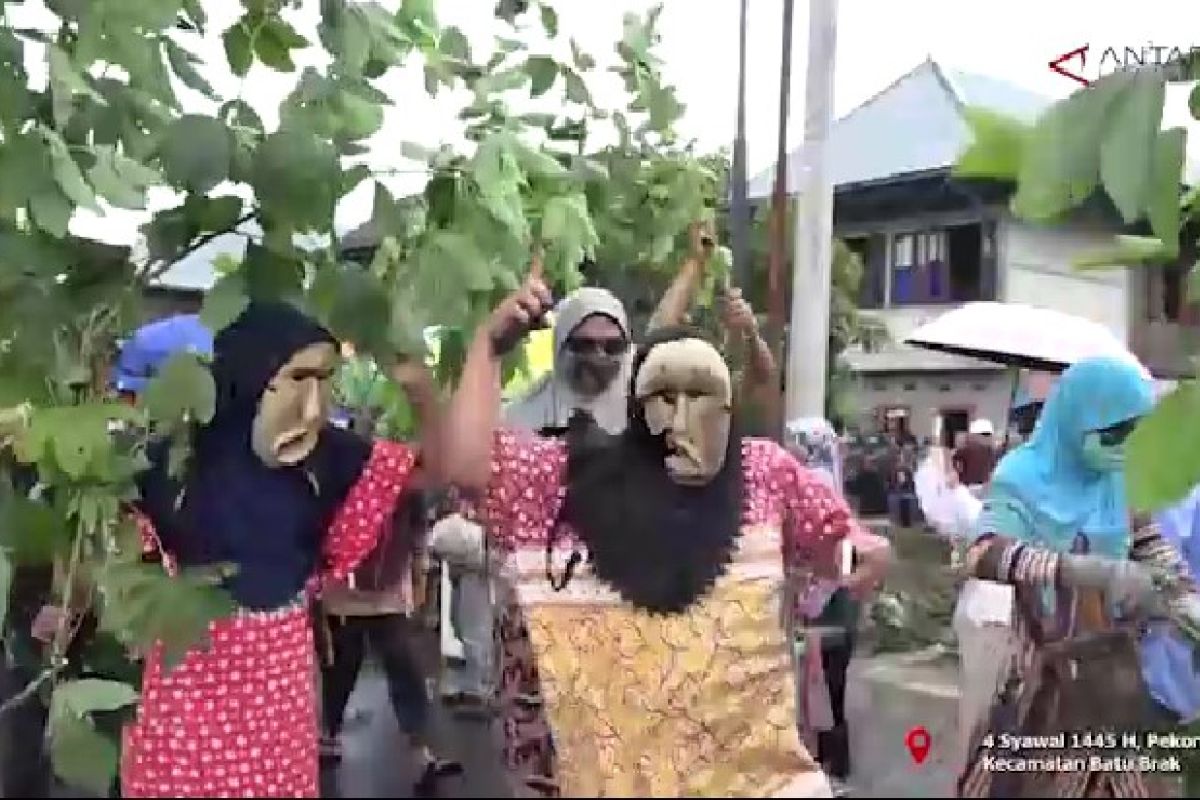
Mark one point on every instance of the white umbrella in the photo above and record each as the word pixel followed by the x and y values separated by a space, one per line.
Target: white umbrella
pixel 1019 335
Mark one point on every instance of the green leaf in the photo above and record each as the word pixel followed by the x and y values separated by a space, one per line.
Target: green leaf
pixel 196 153
pixel 1127 151
pixel 509 10
pixel 183 390
pixel 1061 164
pixel 455 44
pixel 119 180
pixel 549 20
pixel 359 116
pixel 76 436
pixel 295 178
pixel 568 236
pixel 82 697
pixel 1166 178
pixel 32 532
pixel 239 49
pixel 274 44
pixel 273 272
pixel 583 62
pixel 454 253
pixel 416 152
pixel 542 71
pixel 539 163
pixel 51 211
pixel 144 605
pixel 224 303
pixel 65 82
pixel 1194 101
pixel 183 63
pixel 360 311
pixel 577 91
pixel 81 756
pixel 1164 462
pixel 67 173
pixel 1126 251
pixel 997 146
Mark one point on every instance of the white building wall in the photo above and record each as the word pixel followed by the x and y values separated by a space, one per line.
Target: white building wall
pixel 1036 268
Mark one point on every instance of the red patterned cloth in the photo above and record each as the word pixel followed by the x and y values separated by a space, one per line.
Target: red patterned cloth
pixel 239 719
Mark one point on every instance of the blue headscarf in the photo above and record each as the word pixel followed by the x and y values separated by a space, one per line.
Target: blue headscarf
pixel 268 521
pixel 1048 476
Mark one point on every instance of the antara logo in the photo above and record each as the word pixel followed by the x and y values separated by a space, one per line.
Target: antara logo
pixel 1182 62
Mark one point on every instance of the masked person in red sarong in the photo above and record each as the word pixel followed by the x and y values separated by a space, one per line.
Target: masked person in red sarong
pixel 292 502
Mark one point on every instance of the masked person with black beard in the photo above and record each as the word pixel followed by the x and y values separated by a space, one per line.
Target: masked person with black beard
pixel 650 567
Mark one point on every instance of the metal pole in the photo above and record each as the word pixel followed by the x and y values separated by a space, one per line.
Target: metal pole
pixel 778 253
pixel 808 342
pixel 739 207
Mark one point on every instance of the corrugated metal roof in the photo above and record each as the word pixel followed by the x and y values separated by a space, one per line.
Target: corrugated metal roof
pixel 915 125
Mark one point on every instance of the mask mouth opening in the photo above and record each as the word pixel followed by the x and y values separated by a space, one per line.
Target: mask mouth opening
pixel 293 446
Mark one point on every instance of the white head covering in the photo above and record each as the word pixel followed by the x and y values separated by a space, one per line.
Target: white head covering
pixel 982 427
pixel 551 401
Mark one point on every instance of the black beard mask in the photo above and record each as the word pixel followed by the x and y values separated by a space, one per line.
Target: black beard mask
pixel 592 374
pixel 660 544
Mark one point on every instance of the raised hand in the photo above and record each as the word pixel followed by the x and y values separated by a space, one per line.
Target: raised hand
pixel 522 311
pixel 702 241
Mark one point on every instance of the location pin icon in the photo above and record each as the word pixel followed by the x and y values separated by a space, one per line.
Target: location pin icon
pixel 918 742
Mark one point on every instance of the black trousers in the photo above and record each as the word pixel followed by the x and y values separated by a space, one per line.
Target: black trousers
pixel 390 637
pixel 24 765
pixel 833 746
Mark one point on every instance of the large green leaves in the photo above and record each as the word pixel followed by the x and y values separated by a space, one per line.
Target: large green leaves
pixel 182 391
pixel 75 438
pixel 1061 164
pixel 196 153
pixel 81 755
pixel 1164 460
pixel 543 71
pixel 295 179
pixel 121 180
pixel 1127 151
pixel 997 146
pixel 143 605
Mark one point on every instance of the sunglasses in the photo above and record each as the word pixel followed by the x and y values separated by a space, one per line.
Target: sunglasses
pixel 1117 434
pixel 582 345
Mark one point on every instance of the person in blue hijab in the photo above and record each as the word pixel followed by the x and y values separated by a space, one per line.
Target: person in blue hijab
pixel 1055 526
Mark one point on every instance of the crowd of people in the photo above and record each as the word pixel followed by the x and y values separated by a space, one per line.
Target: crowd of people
pixel 647 601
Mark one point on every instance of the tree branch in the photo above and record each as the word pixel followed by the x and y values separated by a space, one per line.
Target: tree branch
pixel 153 272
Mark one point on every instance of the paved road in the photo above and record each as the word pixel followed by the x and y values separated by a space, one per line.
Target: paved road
pixel 375 765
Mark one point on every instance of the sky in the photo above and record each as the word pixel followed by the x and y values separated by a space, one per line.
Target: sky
pixel 877 42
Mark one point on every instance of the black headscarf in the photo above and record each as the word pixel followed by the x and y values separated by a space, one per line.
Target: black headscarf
pixel 269 522
pixel 660 544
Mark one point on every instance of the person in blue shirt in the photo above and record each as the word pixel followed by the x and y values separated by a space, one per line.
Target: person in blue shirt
pixel 1169 660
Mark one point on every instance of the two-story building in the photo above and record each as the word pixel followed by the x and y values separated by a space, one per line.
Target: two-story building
pixel 930 242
